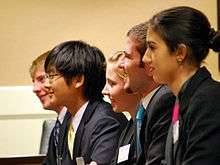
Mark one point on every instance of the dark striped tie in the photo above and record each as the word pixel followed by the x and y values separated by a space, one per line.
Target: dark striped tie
pixel 56 135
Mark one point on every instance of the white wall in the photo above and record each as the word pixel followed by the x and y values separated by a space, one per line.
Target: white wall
pixel 21 118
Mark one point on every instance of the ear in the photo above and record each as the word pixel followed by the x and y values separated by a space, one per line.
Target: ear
pixel 78 81
pixel 181 53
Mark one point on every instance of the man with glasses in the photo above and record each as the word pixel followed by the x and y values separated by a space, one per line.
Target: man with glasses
pixel 39 79
pixel 76 73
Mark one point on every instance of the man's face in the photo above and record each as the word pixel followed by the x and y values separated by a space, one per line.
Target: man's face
pixel 60 93
pixel 137 76
pixel 42 93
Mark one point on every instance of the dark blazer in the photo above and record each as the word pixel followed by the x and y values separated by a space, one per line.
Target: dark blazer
pixel 157 119
pixel 97 135
pixel 156 123
pixel 127 137
pixel 51 158
pixel 199 136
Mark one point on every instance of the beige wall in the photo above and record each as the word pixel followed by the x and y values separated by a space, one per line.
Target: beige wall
pixel 30 27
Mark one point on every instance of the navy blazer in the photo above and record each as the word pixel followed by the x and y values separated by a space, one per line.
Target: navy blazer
pixel 97 135
pixel 199 133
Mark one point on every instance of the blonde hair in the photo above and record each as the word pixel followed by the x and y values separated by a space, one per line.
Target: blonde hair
pixel 38 63
pixel 114 61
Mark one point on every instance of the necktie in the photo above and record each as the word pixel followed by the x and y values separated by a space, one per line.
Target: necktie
pixel 56 139
pixel 175 121
pixel 139 119
pixel 71 137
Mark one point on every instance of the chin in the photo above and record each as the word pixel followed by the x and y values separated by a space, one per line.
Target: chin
pixel 47 106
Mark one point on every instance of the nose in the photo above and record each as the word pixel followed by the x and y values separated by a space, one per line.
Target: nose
pixel 36 87
pixel 105 90
pixel 147 57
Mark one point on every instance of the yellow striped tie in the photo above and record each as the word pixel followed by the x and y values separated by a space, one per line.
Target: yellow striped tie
pixel 71 137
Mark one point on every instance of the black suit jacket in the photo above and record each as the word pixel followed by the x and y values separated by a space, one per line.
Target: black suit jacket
pixel 127 137
pixel 157 119
pixel 51 158
pixel 199 136
pixel 97 135
pixel 156 123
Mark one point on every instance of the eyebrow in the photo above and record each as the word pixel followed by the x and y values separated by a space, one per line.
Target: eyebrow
pixel 151 42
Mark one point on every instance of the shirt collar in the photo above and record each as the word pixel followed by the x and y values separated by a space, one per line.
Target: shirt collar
pixel 145 101
pixel 62 114
pixel 78 116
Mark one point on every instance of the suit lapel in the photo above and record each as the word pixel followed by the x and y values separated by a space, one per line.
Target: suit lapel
pixel 63 133
pixel 80 130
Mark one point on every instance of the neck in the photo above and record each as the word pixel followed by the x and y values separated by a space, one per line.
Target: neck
pixel 74 105
pixel 149 88
pixel 182 75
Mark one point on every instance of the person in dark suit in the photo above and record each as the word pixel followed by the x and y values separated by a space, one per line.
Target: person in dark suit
pixel 76 74
pixel 120 100
pixel 37 73
pixel 147 135
pixel 179 40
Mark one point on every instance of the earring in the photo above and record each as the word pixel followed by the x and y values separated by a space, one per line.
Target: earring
pixel 179 61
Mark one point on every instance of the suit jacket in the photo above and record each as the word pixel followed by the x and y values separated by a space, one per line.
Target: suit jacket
pixel 199 133
pixel 127 137
pixel 97 135
pixel 157 119
pixel 156 123
pixel 51 158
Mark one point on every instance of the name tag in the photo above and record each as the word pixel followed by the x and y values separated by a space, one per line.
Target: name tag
pixel 175 131
pixel 123 153
pixel 80 161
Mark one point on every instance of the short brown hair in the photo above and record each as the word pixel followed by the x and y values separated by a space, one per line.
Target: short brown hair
pixel 38 63
pixel 139 33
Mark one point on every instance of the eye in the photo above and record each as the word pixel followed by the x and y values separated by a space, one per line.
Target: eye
pixel 111 83
pixel 151 46
pixel 41 79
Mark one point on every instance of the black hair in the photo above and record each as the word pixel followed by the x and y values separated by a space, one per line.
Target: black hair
pixel 74 58
pixel 188 26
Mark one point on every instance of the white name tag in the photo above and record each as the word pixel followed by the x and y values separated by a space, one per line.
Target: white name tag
pixel 175 131
pixel 123 153
pixel 80 161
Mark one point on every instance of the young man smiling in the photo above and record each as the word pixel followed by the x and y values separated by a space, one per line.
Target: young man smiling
pixel 76 73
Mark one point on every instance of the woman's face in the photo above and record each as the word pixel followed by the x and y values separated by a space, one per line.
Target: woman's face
pixel 162 62
pixel 114 89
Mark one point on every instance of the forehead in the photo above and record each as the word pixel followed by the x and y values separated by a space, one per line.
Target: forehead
pixel 131 47
pixel 153 36
pixel 38 73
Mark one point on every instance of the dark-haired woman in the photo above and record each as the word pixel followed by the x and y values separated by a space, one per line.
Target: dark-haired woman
pixel 179 40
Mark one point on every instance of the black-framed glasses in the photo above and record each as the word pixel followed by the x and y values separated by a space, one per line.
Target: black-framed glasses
pixel 51 77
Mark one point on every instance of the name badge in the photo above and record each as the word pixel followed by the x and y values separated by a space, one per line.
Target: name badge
pixel 175 131
pixel 80 161
pixel 123 153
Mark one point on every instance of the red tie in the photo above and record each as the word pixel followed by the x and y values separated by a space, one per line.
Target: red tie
pixel 175 121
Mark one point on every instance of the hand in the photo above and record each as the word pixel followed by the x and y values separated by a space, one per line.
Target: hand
pixel 93 163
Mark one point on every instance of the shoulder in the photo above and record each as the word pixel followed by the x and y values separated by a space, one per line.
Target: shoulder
pixel 163 99
pixel 105 113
